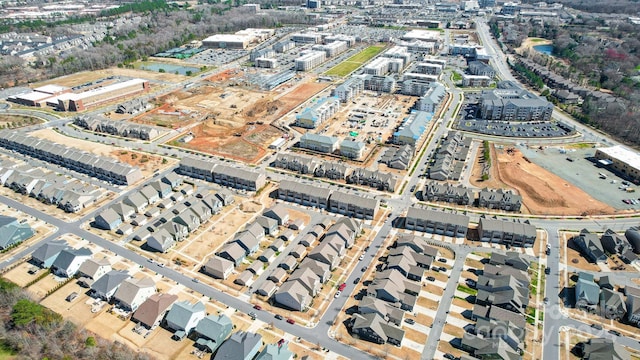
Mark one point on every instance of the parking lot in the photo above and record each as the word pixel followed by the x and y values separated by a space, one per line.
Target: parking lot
pixel 583 173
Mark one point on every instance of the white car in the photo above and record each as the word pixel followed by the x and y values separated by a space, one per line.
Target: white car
pixel 337 295
pixel 361 257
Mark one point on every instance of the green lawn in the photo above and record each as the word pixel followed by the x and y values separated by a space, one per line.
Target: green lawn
pixel 354 62
pixel 456 76
pixel 467 290
pixel 535 40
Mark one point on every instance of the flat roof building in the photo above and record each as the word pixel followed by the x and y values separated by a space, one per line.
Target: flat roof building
pixel 621 159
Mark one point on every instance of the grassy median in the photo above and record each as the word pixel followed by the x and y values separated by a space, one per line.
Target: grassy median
pixel 348 66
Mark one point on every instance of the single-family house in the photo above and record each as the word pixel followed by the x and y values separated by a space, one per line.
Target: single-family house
pixel 183 317
pixel 232 252
pixel 161 241
pixel 133 292
pixel 276 352
pixel 218 267
pixel 92 270
pixel 244 279
pixel 372 327
pixel 13 232
pixel 612 305
pixel 46 254
pixel 151 194
pixel 151 311
pixel 278 275
pixel 289 263
pixel 69 260
pixel 105 287
pixel 587 292
pixel 172 179
pixel 239 346
pixel 278 213
pixel 107 220
pixel 137 201
pixel 293 295
pixel 267 288
pixel 590 246
pixel 124 210
pixel 269 225
pixel 163 189
pixel 212 331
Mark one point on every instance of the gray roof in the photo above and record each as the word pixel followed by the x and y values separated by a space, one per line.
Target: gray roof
pixel 355 200
pixel 215 327
pixel 109 281
pixel 504 226
pixel 241 346
pixel 67 256
pixel 90 266
pixel 438 216
pixel 604 349
pixel 129 288
pixel 12 232
pixel 181 312
pixel 49 249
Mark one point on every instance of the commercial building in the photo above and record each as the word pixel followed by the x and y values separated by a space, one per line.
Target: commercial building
pixel 511 103
pixel 310 60
pixel 261 53
pixel 284 46
pixel 39 96
pixel 620 159
pixel 320 143
pixel 96 96
pixel 307 38
pixel 266 63
pixel 321 111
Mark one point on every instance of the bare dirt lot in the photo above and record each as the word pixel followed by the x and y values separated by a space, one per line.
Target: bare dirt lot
pixel 88 76
pixel 542 192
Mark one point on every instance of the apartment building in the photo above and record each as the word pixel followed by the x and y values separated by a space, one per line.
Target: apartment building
pixel 311 117
pixel 310 60
pixel 436 222
pixel 353 205
pixel 320 143
pixel 507 232
pixel 431 100
pixel 348 90
pixel 511 103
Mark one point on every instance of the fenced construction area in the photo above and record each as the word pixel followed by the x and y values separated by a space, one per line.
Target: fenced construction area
pixel 354 62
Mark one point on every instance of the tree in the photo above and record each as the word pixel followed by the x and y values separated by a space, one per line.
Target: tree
pixel 90 342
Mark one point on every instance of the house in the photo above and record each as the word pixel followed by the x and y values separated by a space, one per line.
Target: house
pixel 590 246
pixel 278 213
pixel 505 291
pixel 511 258
pixel 605 282
pixel 614 243
pixel 267 255
pixel 391 286
pixel 633 309
pixel 303 194
pixel 289 263
pixel 488 348
pixel 602 348
pixel 244 279
pixel 308 279
pixel 612 305
pixel 269 225
pixel 125 211
pixel 202 211
pixel 176 229
pixel 92 270
pixel 133 292
pixel 247 241
pixel 239 346
pixel 69 260
pixel 436 191
pixel 277 275
pixel 12 232
pixel 226 197
pixel 372 327
pixel 151 311
pixel 189 219
pixel 256 267
pixel 343 232
pixel 161 241
pixel 587 292
pixel 276 352
pixel 183 317
pixel 108 220
pixel 219 268
pixel 163 189
pixel 299 251
pixel 212 331
pixel 351 205
pixel 330 251
pixel 388 312
pixel 137 201
pixel 499 199
pixel 293 295
pixel 105 287
pixel 213 203
pixel 232 252
pixel 151 194
pixel 403 259
pixel 322 270
pixel 46 254
pixel 267 288
pixel 172 179
pixel 277 244
pixel 297 224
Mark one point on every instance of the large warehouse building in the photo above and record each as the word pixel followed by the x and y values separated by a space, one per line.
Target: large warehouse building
pixel 100 95
pixel 39 96
pixel 620 159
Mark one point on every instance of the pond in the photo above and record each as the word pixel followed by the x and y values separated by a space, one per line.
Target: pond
pixel 544 49
pixel 169 68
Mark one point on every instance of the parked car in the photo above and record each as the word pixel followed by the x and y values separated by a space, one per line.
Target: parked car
pixel 279 317
pixel 337 295
pixel 431 278
pixel 257 307
pixel 442 260
pixel 449 356
pixel 410 321
pixel 291 321
pixel 547 270
pixel 596 326
pixel 361 257
pixel 363 269
pixel 357 280
pixel 614 332
pixel 253 315
pixel 342 286
pixel 280 342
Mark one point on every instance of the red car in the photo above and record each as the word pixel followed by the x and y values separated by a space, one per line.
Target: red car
pixel 257 307
pixel 280 342
pixel 291 321
pixel 342 286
